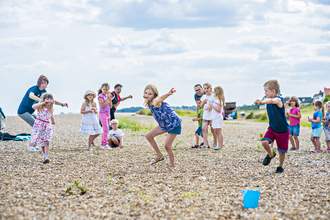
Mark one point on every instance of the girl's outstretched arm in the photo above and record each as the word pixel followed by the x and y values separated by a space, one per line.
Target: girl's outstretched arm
pixel 158 100
pixel 52 120
pixel 36 106
pixel 62 104
pixel 128 97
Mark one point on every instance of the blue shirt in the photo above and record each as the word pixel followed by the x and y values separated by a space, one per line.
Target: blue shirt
pixel 315 115
pixel 277 118
pixel 27 102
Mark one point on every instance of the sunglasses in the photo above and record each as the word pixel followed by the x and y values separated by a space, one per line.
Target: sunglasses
pixel 114 124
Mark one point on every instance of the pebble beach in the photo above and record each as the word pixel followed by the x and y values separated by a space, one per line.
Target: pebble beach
pixel 121 183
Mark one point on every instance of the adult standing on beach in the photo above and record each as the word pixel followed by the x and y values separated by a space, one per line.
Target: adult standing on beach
pixel 116 99
pixel 199 92
pixel 25 110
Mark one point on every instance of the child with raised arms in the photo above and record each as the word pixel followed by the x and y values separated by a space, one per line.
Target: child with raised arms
pixel 217 117
pixel 207 99
pixel 278 126
pixel 115 138
pixel 167 119
pixel 42 128
pixel 316 125
pixel 199 118
pixel 326 125
pixel 90 123
pixel 294 116
pixel 104 115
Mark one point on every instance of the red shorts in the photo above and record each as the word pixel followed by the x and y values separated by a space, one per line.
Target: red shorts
pixel 282 139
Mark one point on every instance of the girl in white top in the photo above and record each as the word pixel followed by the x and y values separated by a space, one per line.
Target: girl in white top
pixel 207 99
pixel 217 117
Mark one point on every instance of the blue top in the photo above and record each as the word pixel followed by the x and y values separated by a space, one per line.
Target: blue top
pixel 197 96
pixel 277 118
pixel 27 102
pixel 315 115
pixel 165 116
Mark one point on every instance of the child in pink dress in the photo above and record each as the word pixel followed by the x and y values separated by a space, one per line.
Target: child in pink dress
pixel 42 129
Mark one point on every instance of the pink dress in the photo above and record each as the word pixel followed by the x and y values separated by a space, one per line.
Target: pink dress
pixel 42 129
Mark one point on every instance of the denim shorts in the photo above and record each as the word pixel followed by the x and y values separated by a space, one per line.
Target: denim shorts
pixel 316 132
pixel 176 130
pixel 295 130
pixel 199 131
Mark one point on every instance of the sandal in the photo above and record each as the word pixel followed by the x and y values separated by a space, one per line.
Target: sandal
pixel 89 149
pixel 196 146
pixel 157 159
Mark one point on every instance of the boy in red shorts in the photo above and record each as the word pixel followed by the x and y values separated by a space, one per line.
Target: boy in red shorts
pixel 278 126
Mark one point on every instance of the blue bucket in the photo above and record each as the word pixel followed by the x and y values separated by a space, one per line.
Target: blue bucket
pixel 250 198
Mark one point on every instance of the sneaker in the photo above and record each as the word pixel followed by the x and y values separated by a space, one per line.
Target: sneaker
pixel 268 159
pixel 107 147
pixel 293 148
pixel 202 144
pixel 37 149
pixel 279 170
pixel 32 149
pixel 328 149
pixel 315 151
pixel 46 160
pixel 217 148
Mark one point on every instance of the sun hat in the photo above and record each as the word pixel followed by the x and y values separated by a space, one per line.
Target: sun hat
pixel 90 92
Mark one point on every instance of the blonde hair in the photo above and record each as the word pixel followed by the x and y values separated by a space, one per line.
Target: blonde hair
pixel 154 89
pixel 327 103
pixel 43 98
pixel 87 100
pixel 272 85
pixel 208 85
pixel 319 104
pixel 219 93
pixel 114 121
pixel 295 99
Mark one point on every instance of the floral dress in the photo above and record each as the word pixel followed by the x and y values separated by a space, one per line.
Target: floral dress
pixel 166 117
pixel 42 129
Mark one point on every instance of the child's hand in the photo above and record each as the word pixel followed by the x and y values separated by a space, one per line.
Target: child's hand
pixel 172 91
pixel 205 101
pixel 324 121
pixel 258 102
pixel 130 96
pixel 91 111
pixel 287 114
pixel 310 120
pixel 194 119
pixel 53 122
pixel 211 106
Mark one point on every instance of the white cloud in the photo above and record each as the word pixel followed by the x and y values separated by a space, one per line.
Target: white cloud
pixel 264 43
pixel 24 42
pixel 164 42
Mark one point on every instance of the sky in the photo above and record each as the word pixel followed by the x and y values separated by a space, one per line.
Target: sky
pixel 237 44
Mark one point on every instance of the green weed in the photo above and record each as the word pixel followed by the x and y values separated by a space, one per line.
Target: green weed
pixel 111 176
pixel 82 189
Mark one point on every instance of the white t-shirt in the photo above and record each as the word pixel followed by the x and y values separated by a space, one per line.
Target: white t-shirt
pixel 215 114
pixel 118 133
pixel 207 111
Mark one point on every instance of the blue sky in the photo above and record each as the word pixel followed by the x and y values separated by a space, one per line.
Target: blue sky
pixel 238 45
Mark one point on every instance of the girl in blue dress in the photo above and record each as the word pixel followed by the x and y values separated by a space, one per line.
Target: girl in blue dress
pixel 167 119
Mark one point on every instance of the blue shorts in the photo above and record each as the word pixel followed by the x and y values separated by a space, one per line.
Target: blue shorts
pixel 295 130
pixel 176 130
pixel 199 131
pixel 115 145
pixel 316 132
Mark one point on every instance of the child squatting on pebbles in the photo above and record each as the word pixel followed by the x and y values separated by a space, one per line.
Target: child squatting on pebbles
pixel 42 129
pixel 115 137
pixel 167 119
pixel 90 123
pixel 278 126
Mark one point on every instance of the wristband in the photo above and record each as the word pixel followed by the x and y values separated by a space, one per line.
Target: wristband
pixel 62 105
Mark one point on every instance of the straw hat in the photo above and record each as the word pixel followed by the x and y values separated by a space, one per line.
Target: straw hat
pixel 90 92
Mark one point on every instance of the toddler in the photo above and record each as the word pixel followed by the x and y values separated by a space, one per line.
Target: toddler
pixel 316 125
pixel 199 118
